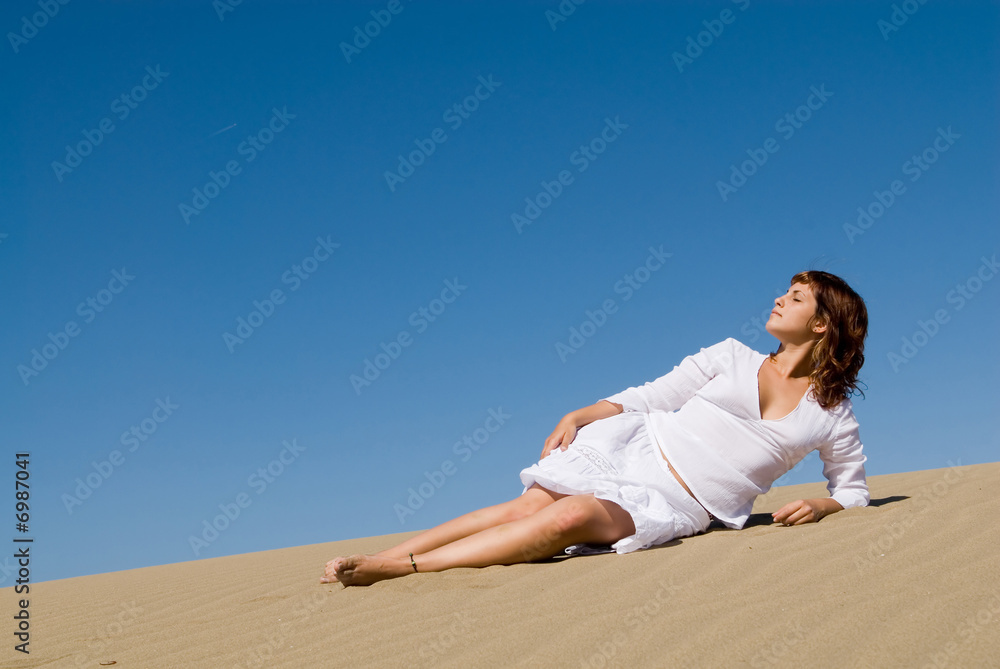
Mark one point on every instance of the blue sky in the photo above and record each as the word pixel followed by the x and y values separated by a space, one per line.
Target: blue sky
pixel 172 168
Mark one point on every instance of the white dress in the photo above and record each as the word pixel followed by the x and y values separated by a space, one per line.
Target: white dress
pixel 705 416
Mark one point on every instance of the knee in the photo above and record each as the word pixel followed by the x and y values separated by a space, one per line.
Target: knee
pixel 574 512
pixel 531 502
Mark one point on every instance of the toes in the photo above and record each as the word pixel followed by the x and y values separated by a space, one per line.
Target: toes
pixel 346 564
pixel 365 569
pixel 350 570
pixel 330 572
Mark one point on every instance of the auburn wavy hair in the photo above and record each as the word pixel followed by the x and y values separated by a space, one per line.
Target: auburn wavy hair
pixel 838 356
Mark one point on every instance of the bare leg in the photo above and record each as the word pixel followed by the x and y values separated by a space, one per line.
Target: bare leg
pixel 534 499
pixel 569 520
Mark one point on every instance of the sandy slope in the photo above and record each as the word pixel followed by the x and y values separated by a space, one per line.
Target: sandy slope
pixel 910 581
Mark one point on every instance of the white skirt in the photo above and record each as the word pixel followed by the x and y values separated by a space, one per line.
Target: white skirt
pixel 616 459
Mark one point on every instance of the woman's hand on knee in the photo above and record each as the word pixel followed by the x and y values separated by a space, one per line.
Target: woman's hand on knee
pixel 561 437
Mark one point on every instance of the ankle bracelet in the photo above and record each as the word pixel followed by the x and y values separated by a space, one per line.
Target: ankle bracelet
pixel 412 562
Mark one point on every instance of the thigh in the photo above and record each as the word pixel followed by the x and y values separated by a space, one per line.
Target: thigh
pixel 603 521
pixel 613 522
pixel 540 496
pixel 529 502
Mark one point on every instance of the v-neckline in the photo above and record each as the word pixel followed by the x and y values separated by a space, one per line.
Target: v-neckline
pixel 760 414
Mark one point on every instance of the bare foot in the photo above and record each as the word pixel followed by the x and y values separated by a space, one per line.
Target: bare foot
pixel 329 572
pixel 368 569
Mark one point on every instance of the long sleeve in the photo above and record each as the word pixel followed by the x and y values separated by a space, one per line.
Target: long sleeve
pixel 844 463
pixel 672 390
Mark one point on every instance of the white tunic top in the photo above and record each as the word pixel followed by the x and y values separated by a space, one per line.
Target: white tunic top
pixel 705 416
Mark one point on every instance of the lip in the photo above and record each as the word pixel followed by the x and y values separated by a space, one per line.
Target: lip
pixel 775 312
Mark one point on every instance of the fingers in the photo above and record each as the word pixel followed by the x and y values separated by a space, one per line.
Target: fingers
pixel 795 513
pixel 555 441
pixel 783 513
pixel 546 447
pixel 549 449
pixel 561 438
pixel 551 444
pixel 567 439
pixel 789 514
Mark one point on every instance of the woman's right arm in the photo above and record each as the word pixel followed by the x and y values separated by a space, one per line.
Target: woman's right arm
pixel 565 431
pixel 667 393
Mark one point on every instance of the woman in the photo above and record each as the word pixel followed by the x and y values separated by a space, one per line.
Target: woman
pixel 659 461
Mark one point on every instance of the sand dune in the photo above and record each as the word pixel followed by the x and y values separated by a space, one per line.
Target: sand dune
pixel 910 581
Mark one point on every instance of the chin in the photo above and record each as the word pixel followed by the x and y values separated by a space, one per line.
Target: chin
pixel 777 333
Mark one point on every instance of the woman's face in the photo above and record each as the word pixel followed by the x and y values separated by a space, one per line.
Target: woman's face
pixel 789 320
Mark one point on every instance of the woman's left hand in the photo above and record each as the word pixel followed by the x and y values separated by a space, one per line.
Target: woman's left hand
pixel 801 511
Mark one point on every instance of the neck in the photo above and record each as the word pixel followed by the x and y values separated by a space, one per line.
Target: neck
pixel 793 361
